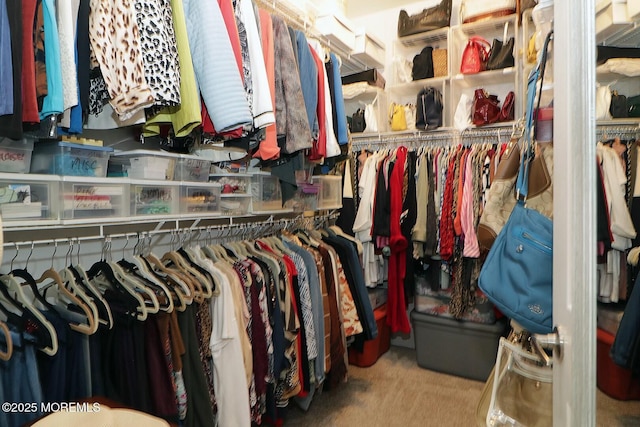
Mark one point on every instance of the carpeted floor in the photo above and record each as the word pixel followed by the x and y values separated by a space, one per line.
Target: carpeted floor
pixel 397 392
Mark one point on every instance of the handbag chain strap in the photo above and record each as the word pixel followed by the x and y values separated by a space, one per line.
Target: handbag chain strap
pixel 528 151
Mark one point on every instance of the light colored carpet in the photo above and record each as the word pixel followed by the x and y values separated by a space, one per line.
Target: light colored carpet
pixel 397 392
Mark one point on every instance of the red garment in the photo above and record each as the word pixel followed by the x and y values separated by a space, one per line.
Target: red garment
pixel 319 148
pixel 29 97
pixel 268 149
pixel 446 219
pixel 228 14
pixel 397 317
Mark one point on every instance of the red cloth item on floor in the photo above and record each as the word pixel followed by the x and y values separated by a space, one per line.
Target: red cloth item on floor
pixel 397 317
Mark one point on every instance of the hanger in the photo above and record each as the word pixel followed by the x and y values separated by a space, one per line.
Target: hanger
pixel 69 281
pixel 55 281
pixel 82 281
pixel 181 284
pixel 45 333
pixel 141 273
pixel 6 355
pixel 102 274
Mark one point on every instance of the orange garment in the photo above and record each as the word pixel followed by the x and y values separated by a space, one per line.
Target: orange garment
pixel 268 149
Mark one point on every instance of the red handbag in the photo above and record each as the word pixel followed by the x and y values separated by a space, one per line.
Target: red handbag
pixel 475 55
pixel 507 113
pixel 486 108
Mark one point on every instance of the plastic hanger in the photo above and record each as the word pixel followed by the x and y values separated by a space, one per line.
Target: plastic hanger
pixel 82 281
pixel 56 281
pixel 70 283
pixel 44 331
pixel 6 355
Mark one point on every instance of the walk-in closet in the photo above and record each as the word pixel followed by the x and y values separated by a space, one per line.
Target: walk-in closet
pixel 319 213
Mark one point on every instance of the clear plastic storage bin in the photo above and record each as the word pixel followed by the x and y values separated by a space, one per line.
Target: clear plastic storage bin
pixel 330 191
pixel 306 198
pixel 232 183
pixel 235 204
pixel 143 164
pixel 27 198
pixel 64 158
pixel 192 168
pixel 154 198
pixel 197 198
pixel 94 198
pixel 15 155
pixel 266 193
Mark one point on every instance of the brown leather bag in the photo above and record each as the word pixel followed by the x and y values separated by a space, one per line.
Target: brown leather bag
pixel 501 197
pixel 427 20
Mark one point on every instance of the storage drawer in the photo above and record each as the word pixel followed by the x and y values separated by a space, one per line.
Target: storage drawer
pixel 192 168
pixel 153 198
pixel 235 204
pixel 454 347
pixel 330 191
pixel 143 164
pixel 94 198
pixel 27 198
pixel 15 155
pixel 200 198
pixel 232 183
pixel 266 194
pixel 63 158
pixel 306 198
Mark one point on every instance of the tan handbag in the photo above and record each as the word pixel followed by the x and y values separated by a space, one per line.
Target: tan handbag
pixel 440 63
pixel 501 197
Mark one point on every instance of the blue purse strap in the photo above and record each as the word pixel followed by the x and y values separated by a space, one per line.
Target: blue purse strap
pixel 528 152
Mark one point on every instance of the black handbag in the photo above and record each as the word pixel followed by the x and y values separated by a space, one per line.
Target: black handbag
pixel 429 109
pixel 633 106
pixel 358 123
pixel 618 107
pixel 423 64
pixel 501 55
pixel 427 20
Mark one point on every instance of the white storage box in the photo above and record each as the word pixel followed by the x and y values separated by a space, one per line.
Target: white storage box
pixel 235 204
pixel 338 30
pixel 200 198
pixel 27 198
pixel 192 168
pixel 155 198
pixel 143 164
pixel 612 18
pixel 265 192
pixel 633 10
pixel 330 191
pixel 368 49
pixel 232 183
pixel 15 155
pixel 64 158
pixel 94 198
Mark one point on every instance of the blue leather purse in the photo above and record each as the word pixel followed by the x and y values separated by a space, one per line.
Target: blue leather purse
pixel 517 275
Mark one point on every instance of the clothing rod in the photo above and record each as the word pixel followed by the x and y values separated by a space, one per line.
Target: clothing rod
pixel 270 222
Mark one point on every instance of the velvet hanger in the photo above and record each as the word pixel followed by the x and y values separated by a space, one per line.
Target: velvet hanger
pixel 101 273
pixel 40 327
pixel 172 258
pixel 177 291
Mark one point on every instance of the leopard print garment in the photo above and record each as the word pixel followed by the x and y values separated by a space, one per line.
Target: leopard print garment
pixel 159 50
pixel 115 41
